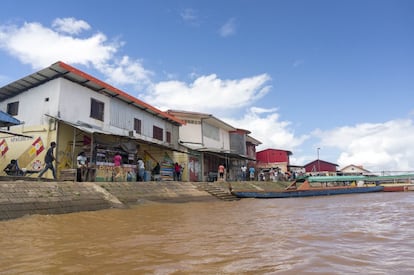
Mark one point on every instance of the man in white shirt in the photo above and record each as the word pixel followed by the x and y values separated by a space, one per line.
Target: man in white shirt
pixel 244 172
pixel 141 170
pixel 82 163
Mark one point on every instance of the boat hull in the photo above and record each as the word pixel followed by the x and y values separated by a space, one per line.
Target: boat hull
pixel 306 193
pixel 398 188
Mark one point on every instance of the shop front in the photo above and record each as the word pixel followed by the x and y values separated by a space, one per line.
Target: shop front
pixel 100 149
pixel 232 163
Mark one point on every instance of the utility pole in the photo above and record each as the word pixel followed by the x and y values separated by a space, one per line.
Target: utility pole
pixel 319 165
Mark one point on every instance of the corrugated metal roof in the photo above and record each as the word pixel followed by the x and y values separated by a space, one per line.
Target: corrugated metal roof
pixel 92 130
pixel 209 118
pixel 60 69
pixel 271 149
pixel 216 151
pixel 253 140
pixel 321 161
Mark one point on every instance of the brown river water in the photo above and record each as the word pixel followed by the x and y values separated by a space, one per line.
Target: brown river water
pixel 346 234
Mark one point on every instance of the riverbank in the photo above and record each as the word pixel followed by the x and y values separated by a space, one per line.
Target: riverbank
pixel 20 197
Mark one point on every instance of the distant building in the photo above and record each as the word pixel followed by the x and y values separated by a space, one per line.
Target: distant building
pixel 321 167
pixel 297 169
pixel 273 158
pixel 355 170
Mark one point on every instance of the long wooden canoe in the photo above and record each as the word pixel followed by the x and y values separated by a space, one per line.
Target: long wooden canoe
pixel 326 191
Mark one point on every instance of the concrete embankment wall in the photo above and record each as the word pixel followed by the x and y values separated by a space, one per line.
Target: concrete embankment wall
pixel 19 198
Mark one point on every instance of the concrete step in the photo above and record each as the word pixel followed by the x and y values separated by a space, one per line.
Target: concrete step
pixel 216 191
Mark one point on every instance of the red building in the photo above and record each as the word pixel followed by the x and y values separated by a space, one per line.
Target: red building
pixel 272 158
pixel 321 167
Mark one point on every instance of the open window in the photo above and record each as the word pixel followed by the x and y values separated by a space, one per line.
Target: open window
pixel 97 109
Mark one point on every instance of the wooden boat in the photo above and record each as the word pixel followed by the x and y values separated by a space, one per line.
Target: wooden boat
pixel 398 187
pixel 329 185
pixel 395 183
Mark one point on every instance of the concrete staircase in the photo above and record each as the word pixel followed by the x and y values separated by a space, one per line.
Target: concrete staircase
pixel 216 190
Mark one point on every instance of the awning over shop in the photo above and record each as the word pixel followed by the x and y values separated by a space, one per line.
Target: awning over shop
pixel 93 130
pixel 87 129
pixel 218 152
pixel 8 120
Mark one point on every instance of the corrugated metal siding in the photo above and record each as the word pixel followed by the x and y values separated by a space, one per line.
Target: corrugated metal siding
pixel 122 116
pixel 320 165
pixel 272 156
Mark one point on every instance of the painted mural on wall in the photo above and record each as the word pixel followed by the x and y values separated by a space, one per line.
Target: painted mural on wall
pixel 167 168
pixel 65 157
pixel 27 152
pixel 3 147
pixel 31 153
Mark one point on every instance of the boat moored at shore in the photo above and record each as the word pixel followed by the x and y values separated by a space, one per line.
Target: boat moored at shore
pixel 316 186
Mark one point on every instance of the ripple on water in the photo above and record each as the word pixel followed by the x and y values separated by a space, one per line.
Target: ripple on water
pixel 364 234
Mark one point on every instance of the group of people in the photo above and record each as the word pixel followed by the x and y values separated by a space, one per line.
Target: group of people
pixel 244 171
pixel 274 174
pixel 82 165
pixel 140 175
pixel 250 172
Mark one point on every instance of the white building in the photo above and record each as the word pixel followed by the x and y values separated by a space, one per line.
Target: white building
pixel 211 142
pixel 355 170
pixel 82 113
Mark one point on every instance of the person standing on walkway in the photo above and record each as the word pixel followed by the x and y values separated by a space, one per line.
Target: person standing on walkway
pixel 49 158
pixel 117 166
pixel 221 171
pixel 244 172
pixel 177 171
pixel 82 170
pixel 141 170
pixel 251 172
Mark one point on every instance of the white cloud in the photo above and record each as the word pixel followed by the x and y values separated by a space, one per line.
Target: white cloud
pixel 208 93
pixel 267 127
pixel 125 71
pixel 378 147
pixel 70 25
pixel 40 46
pixel 229 28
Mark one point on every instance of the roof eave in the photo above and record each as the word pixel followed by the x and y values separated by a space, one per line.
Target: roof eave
pixel 61 69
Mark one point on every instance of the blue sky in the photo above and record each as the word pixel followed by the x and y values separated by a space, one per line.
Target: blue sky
pixel 300 75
